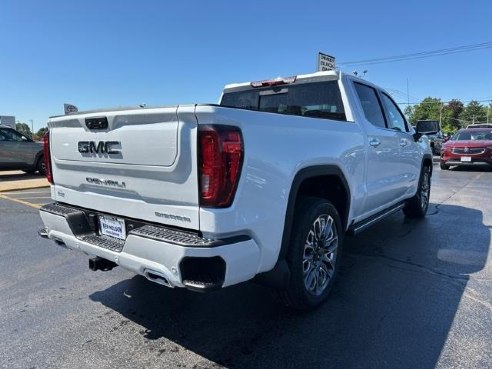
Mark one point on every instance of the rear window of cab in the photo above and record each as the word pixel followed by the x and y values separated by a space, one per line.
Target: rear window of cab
pixel 314 100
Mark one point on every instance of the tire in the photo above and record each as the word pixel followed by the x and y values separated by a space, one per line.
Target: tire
pixel 40 166
pixel 314 253
pixel 416 207
pixel 443 166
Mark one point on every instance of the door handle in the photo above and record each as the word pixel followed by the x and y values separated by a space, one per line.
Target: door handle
pixel 374 142
pixel 404 142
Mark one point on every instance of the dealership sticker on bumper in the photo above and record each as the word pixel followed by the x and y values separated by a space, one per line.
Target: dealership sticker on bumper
pixel 465 158
pixel 112 226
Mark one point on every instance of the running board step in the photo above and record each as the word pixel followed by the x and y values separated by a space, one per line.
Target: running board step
pixel 361 226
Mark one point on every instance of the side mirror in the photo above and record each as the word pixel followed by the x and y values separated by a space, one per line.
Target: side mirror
pixel 425 127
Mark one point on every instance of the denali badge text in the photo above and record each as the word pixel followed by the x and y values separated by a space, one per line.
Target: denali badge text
pixel 179 218
pixel 101 147
pixel 105 182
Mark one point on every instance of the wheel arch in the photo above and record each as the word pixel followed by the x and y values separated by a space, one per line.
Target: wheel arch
pixel 39 155
pixel 427 161
pixel 324 181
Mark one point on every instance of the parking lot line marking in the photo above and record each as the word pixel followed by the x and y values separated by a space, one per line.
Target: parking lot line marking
pixel 24 192
pixel 33 198
pixel 36 206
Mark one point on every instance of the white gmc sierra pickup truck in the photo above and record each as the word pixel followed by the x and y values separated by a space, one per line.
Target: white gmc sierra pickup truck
pixel 265 184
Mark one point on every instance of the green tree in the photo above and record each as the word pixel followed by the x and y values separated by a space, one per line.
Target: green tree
pixel 428 109
pixel 489 112
pixel 40 133
pixel 23 128
pixel 450 115
pixel 474 112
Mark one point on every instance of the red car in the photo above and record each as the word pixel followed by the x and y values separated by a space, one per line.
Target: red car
pixel 468 147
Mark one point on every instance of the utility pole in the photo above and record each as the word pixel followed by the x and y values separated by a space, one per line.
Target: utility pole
pixel 408 94
pixel 32 127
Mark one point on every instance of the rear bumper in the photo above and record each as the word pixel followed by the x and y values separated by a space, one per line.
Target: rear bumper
pixel 168 256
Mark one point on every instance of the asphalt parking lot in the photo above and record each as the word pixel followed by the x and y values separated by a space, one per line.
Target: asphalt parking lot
pixel 411 294
pixel 35 198
pixel 24 188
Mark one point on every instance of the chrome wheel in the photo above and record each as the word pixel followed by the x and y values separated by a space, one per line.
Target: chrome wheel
pixel 320 254
pixel 314 253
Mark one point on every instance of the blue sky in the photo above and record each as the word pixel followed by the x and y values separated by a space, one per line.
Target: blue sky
pixel 100 53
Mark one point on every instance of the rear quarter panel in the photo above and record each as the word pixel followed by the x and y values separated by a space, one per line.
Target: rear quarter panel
pixel 276 148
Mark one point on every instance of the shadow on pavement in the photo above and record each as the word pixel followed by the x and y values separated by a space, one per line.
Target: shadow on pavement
pixel 393 306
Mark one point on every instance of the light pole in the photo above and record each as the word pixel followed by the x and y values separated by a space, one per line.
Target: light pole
pixel 32 127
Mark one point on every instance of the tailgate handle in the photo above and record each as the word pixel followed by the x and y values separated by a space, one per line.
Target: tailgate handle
pixel 97 123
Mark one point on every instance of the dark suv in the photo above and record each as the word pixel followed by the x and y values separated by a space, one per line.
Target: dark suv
pixel 435 140
pixel 18 152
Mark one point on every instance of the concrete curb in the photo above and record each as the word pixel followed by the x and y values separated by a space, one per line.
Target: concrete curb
pixel 17 180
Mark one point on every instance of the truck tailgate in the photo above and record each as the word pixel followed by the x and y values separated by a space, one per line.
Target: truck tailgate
pixel 143 156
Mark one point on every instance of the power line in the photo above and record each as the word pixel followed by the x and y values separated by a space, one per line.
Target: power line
pixel 393 91
pixel 419 55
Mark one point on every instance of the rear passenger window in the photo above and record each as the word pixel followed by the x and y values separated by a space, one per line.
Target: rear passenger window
pixel 370 104
pixel 396 119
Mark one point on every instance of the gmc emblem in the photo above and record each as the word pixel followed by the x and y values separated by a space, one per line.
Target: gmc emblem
pixel 101 147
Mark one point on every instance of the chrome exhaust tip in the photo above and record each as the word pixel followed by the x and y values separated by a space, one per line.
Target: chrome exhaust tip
pixel 157 277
